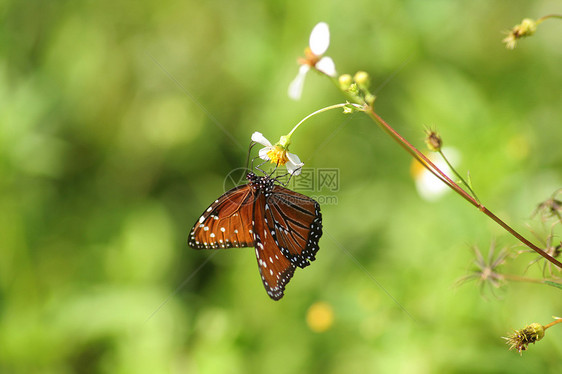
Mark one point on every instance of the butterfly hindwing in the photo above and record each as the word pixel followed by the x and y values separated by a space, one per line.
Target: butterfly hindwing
pixel 296 222
pixel 275 269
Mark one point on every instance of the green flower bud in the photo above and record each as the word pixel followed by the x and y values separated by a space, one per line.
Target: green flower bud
pixel 361 78
pixel 345 81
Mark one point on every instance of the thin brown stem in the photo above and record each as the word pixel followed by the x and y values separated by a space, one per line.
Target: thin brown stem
pixel 557 320
pixel 445 179
pixel 543 18
pixel 421 157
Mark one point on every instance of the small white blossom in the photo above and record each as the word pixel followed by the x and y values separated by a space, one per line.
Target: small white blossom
pixel 318 44
pixel 278 154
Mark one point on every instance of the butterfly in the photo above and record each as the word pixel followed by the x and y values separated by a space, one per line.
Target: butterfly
pixel 283 226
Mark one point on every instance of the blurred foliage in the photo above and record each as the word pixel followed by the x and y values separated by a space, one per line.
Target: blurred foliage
pixel 120 120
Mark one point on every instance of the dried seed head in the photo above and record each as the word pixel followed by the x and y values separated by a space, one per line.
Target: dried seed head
pixel 520 339
pixel 433 140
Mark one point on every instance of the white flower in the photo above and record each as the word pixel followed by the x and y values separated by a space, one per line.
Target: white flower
pixel 278 153
pixel 317 46
pixel 428 185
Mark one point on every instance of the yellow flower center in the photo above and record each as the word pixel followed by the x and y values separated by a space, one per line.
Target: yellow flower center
pixel 309 58
pixel 278 155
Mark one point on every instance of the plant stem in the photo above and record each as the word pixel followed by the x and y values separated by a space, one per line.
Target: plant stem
pixel 557 320
pixel 368 109
pixel 517 278
pixel 547 17
pixel 318 112
pixel 458 175
pixel 445 179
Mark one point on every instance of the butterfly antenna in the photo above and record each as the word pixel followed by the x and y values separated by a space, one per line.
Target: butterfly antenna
pixel 273 171
pixel 258 167
pixel 279 177
pixel 293 173
pixel 252 144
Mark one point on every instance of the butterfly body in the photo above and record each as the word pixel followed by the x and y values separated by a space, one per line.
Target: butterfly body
pixel 283 226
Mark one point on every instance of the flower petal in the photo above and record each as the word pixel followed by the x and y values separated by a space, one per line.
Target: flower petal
pixel 319 39
pixel 294 165
pixel 293 169
pixel 326 65
pixel 295 88
pixel 294 159
pixel 259 138
pixel 263 153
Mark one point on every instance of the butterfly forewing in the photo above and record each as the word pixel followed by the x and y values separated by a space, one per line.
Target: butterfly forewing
pixel 275 269
pixel 227 222
pixel 296 223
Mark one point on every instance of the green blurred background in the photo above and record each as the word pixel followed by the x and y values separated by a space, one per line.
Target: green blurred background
pixel 120 120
